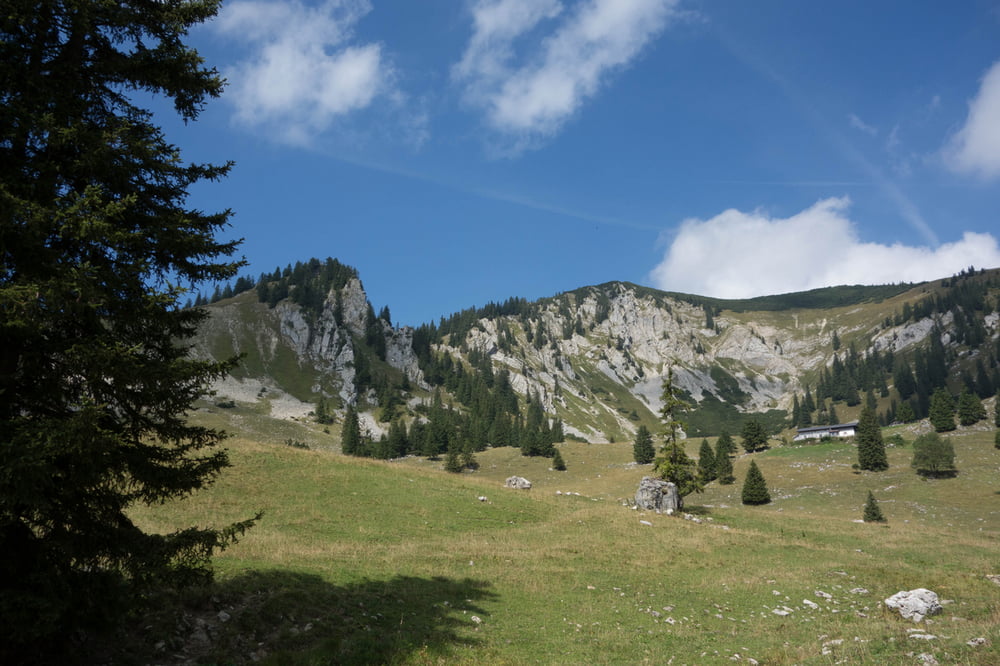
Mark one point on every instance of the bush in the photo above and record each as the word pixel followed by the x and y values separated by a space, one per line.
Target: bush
pixel 933 456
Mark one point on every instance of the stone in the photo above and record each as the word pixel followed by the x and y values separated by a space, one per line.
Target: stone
pixel 518 482
pixel 657 495
pixel 915 604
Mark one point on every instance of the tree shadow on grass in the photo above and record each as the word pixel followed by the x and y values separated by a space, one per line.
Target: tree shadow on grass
pixel 284 617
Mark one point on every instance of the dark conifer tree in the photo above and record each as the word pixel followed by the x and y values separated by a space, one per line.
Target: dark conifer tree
pixel 96 234
pixel 706 462
pixel 942 411
pixel 872 513
pixel 723 465
pixel 754 436
pixel 558 463
pixel 970 408
pixel 871 448
pixel 755 487
pixel 643 451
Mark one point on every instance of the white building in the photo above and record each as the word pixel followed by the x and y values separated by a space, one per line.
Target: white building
pixel 819 432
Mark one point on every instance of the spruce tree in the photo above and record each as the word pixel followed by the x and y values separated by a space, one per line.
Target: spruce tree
pixel 673 464
pixel 558 463
pixel 755 487
pixel 350 434
pixel 872 513
pixel 642 449
pixel 97 239
pixel 725 443
pixel 754 436
pixel 942 411
pixel 451 462
pixel 871 448
pixel 706 462
pixel 970 408
pixel 723 466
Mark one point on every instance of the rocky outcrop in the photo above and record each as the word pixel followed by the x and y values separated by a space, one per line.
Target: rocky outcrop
pixel 915 605
pixel 518 482
pixel 657 495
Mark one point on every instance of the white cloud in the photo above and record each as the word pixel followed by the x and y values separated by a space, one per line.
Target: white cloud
pixel 859 124
pixel 304 72
pixel 741 255
pixel 528 96
pixel 975 148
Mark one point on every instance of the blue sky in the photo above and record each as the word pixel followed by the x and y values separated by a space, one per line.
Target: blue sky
pixel 458 152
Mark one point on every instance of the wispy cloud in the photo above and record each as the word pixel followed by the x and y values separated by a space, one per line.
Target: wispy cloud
pixel 975 148
pixel 908 210
pixel 527 95
pixel 859 124
pixel 818 247
pixel 304 69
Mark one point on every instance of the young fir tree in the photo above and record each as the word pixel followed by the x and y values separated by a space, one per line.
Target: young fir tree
pixel 452 463
pixel 673 464
pixel 754 436
pixel 725 443
pixel 970 408
pixel 723 466
pixel 872 513
pixel 942 411
pixel 642 449
pixel 706 462
pixel 871 448
pixel 933 456
pixel 558 463
pixel 755 487
pixel 96 239
pixel 351 443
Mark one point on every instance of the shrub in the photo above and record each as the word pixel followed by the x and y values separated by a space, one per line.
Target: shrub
pixel 872 512
pixel 933 456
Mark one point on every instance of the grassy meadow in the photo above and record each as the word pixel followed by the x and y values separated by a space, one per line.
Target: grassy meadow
pixel 359 561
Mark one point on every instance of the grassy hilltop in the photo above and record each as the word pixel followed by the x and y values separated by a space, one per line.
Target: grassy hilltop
pixel 359 561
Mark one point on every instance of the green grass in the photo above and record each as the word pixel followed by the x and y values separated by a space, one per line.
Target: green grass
pixel 368 562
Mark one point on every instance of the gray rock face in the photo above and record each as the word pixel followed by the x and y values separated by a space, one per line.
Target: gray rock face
pixel 915 605
pixel 657 495
pixel 518 482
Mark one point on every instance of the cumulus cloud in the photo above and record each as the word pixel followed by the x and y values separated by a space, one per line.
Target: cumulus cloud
pixel 528 94
pixel 742 255
pixel 304 72
pixel 975 148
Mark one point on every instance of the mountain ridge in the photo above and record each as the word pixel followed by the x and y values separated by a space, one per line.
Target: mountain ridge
pixel 594 357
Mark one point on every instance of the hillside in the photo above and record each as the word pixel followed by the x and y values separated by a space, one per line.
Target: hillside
pixel 591 362
pixel 370 562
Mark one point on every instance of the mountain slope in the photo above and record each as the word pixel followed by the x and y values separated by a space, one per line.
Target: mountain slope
pixel 596 357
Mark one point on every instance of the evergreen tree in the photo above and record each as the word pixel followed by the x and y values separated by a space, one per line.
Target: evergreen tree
pixel 642 449
pixel 871 448
pixel 725 443
pixel 350 434
pixel 905 413
pixel 95 376
pixel 674 465
pixel 754 436
pixel 872 513
pixel 970 408
pixel 755 487
pixel 451 462
pixel 706 462
pixel 942 411
pixel 996 409
pixel 558 463
pixel 723 465
pixel 933 456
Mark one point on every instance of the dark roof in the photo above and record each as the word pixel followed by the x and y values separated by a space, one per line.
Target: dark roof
pixel 839 426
